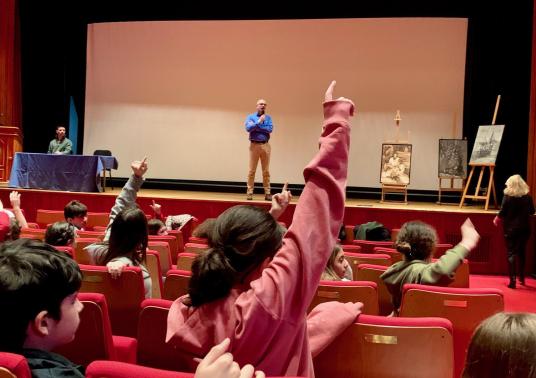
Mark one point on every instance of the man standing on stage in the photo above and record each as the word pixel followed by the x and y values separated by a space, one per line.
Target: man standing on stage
pixel 259 126
pixel 60 145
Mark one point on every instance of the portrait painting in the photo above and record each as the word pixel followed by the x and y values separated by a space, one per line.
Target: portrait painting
pixel 452 158
pixel 395 164
pixel 487 142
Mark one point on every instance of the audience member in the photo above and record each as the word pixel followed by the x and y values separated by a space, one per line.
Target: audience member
pixel 156 227
pixel 516 209
pixel 504 346
pixel 126 238
pixel 40 309
pixel 171 222
pixel 60 234
pixel 416 241
pixel 75 212
pixel 337 268
pixel 11 222
pixel 254 285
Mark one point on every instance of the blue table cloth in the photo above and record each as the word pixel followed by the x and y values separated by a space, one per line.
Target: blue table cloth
pixel 75 173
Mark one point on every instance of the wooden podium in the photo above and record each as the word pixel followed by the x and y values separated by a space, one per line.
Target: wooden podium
pixel 490 188
pixel 10 143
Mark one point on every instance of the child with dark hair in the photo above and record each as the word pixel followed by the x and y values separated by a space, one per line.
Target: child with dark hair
pixel 60 234
pixel 126 238
pixel 504 345
pixel 255 283
pixel 156 227
pixel 12 221
pixel 40 309
pixel 75 212
pixel 416 241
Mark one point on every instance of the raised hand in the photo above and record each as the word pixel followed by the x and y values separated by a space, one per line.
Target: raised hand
pixel 329 96
pixel 470 236
pixel 139 167
pixel 280 201
pixel 14 198
pixel 157 208
pixel 115 268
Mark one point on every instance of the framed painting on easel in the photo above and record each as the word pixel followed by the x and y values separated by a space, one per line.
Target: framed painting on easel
pixel 487 142
pixel 395 164
pixel 452 159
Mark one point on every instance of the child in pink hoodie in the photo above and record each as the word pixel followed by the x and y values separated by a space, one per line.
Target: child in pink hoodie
pixel 254 285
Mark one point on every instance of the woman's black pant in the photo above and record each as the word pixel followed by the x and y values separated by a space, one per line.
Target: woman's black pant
pixel 515 247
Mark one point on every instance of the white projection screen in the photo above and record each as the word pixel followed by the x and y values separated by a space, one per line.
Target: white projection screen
pixel 179 92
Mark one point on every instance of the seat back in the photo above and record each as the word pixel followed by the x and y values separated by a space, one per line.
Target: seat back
pixel 440 249
pixel 176 284
pixel 393 253
pixel 102 152
pixel 80 255
pixel 171 240
pixel 369 272
pixel 195 247
pixel 180 239
pixel 90 234
pixel 33 233
pixel 382 347
pixel 163 250
pixel 114 369
pixel 351 248
pixel 348 291
pixel 195 239
pixel 93 339
pixel 44 217
pixel 465 308
pixel 97 219
pixel 153 350
pixel 152 263
pixel 14 365
pixel 367 246
pixel 185 260
pixel 354 259
pixel 123 295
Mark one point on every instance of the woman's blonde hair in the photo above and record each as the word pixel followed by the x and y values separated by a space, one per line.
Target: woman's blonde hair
pixel 516 186
pixel 329 274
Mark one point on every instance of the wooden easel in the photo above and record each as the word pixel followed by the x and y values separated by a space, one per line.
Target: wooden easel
pixel 483 166
pixel 392 188
pixel 398 189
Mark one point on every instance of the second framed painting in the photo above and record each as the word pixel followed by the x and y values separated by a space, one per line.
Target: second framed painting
pixel 395 164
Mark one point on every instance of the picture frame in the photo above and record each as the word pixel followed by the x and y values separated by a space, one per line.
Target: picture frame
pixel 395 168
pixel 487 143
pixel 452 159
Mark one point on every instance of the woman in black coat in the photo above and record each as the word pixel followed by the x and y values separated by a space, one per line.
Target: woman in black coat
pixel 516 209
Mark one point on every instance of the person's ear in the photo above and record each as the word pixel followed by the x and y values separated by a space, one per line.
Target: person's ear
pixel 41 324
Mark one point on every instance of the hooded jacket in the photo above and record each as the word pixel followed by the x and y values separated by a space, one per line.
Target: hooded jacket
pixel 265 316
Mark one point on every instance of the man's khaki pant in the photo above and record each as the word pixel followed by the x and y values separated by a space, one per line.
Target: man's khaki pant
pixel 259 151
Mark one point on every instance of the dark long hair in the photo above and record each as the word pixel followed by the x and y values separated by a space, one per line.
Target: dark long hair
pixel 128 237
pixel 241 238
pixel 416 240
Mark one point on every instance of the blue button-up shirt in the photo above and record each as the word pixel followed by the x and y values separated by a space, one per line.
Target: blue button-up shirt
pixel 259 132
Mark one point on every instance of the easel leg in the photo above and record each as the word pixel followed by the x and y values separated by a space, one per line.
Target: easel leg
pixel 490 187
pixel 467 186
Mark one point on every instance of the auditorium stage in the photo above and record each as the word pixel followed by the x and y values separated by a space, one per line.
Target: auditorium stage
pixel 488 258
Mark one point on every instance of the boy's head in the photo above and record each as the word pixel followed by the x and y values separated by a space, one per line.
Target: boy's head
pixel 60 234
pixel 75 213
pixel 38 287
pixel 156 227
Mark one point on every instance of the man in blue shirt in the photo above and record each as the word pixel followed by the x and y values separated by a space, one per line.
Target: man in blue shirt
pixel 259 126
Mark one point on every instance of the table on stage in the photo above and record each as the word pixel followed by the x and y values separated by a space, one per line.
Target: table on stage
pixel 74 173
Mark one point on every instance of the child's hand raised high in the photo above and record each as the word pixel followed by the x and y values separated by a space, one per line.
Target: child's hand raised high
pixel 329 97
pixel 280 202
pixel 139 167
pixel 470 236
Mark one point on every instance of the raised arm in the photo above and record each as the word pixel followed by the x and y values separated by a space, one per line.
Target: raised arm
pixel 287 285
pixel 128 195
pixel 14 198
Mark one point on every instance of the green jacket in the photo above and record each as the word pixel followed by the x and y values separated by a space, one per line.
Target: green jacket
pixel 440 272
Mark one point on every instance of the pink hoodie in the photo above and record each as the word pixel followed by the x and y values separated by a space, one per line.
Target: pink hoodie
pixel 265 318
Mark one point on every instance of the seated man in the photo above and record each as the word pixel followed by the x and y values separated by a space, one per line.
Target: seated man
pixel 60 145
pixel 40 309
pixel 75 213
